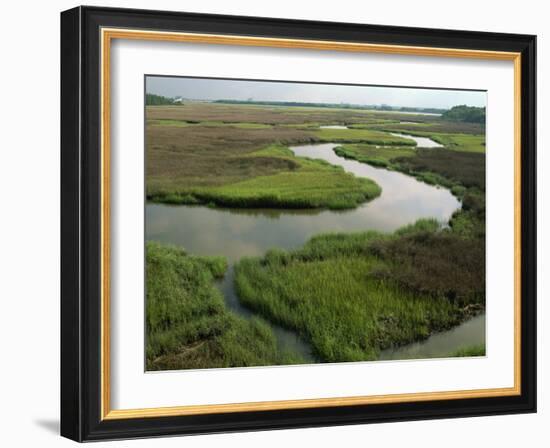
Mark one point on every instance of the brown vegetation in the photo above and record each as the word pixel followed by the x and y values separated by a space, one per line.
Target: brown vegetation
pixel 468 168
pixel 439 264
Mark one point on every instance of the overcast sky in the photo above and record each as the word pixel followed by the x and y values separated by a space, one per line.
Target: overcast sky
pixel 216 89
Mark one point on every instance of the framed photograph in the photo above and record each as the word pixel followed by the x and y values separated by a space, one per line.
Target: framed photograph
pixel 277 224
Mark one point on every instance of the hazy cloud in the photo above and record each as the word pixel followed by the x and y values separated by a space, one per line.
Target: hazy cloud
pixel 215 89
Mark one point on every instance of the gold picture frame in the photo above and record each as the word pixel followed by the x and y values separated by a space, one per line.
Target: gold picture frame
pixel 107 31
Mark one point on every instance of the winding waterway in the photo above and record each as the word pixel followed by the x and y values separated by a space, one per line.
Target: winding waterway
pixel 421 142
pixel 236 233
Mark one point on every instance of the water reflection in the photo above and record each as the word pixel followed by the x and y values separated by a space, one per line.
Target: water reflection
pixel 421 142
pixel 235 233
pixel 471 332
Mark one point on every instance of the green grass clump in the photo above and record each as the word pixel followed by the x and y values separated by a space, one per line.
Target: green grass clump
pixel 306 183
pixel 461 142
pixel 187 323
pixel 344 293
pixel 472 350
pixel 381 156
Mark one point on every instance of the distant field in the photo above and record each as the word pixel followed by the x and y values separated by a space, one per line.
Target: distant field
pixel 272 114
pixel 222 154
pixel 183 123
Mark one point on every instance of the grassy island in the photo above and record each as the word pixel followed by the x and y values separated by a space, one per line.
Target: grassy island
pixel 352 295
pixel 187 323
pixel 293 183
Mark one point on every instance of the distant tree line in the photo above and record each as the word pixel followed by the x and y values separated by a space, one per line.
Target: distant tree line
pixel 382 107
pixel 468 114
pixel 426 110
pixel 156 100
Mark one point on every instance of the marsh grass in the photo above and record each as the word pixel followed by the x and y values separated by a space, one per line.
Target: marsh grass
pixel 221 154
pixel 457 167
pixel 187 323
pixel 187 123
pixel 438 264
pixel 301 183
pixel 462 172
pixel 349 295
pixel 372 137
pixel 472 350
pixel 344 292
pixel 456 170
pixel 454 141
pixel 381 156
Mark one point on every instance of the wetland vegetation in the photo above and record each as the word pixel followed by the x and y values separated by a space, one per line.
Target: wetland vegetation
pixel 353 295
pixel 188 325
pixel 301 247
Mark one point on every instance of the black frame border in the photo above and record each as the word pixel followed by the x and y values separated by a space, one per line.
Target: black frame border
pixel 81 223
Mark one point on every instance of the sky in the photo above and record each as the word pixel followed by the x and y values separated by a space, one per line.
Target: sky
pixel 216 89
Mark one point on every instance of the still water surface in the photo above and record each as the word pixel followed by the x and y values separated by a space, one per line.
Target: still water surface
pixel 236 233
pixel 471 332
pixel 333 126
pixel 421 142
